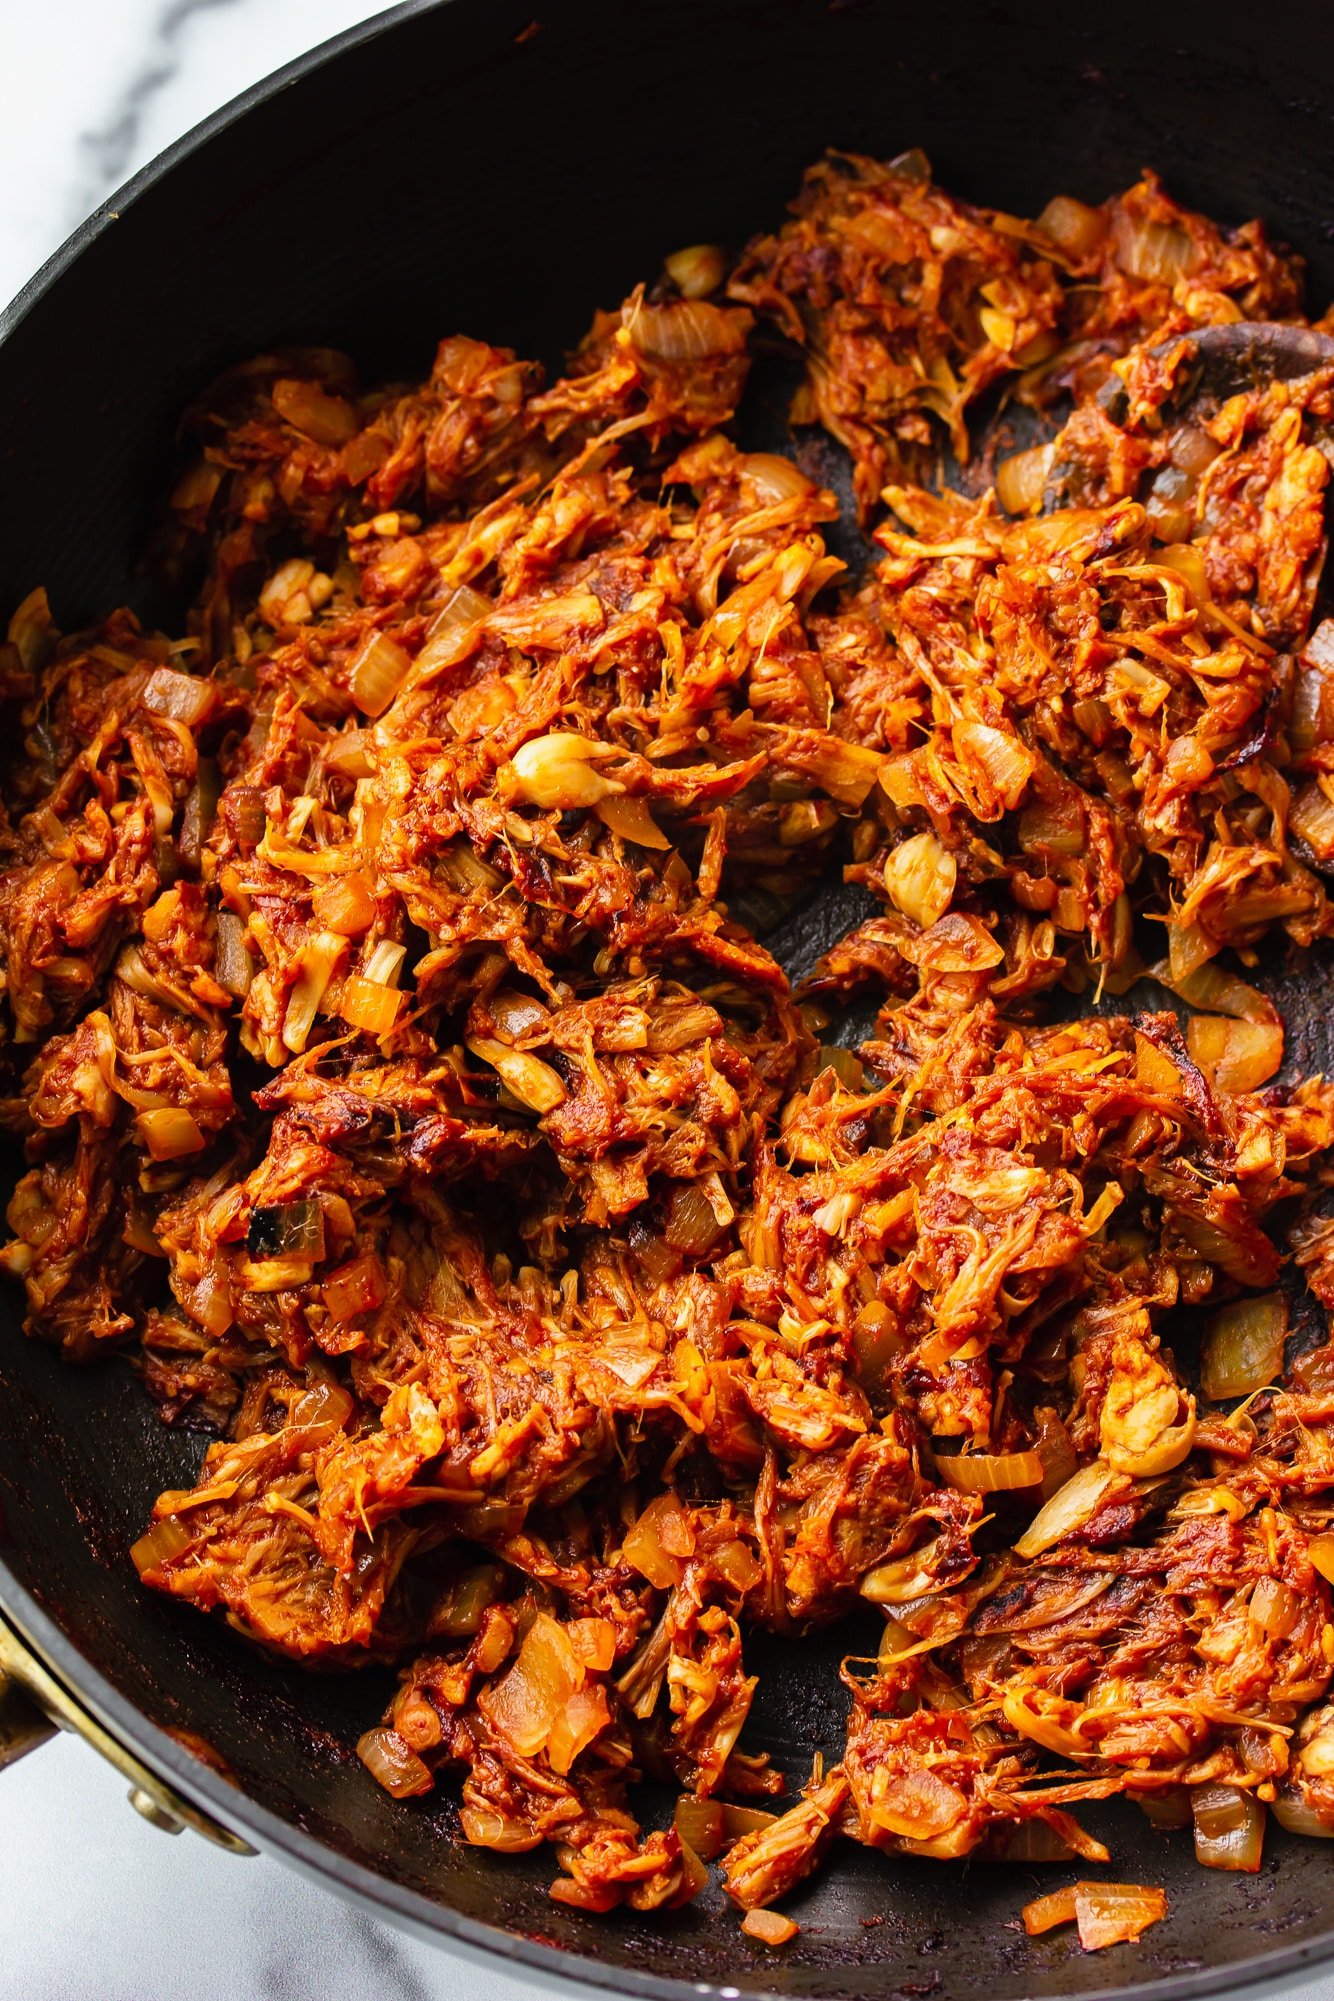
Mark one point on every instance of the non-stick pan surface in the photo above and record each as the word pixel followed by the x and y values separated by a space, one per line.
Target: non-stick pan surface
pixel 442 170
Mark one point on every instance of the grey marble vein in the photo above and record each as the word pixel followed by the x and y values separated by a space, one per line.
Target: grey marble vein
pixel 110 149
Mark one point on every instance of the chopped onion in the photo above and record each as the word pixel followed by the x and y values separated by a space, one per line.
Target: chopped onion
pixel 170 1133
pixel 1229 1827
pixel 1007 763
pixel 1044 1913
pixel 329 420
pixel 1167 1810
pixel 920 876
pixel 1115 1913
pixel 697 270
pixel 660 1541
pixel 700 1824
pixel 1312 820
pixel 628 817
pixel 355 1288
pixel 1053 826
pixel 514 1014
pixel 367 1005
pixel 184 697
pixel 990 1472
pixel 1294 1813
pixel 918 1804
pixel 1027 1841
pixel 1243 1347
pixel 684 330
pixel 1106 1913
pixel 691 1225
pixel 158 1545
pixel 350 754
pixel 1021 479
pixel 454 632
pixel 1235 1056
pixel 377 671
pixel 1074 227
pixel 769 1927
pixel 394 1764
pixel 1320 1549
pixel 1068 1509
pixel 1157 252
pixel 739 1820
pixel 322 1411
pixel 772 478
pixel 483 1827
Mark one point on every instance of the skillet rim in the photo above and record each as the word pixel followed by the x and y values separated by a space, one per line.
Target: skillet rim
pixel 380 1895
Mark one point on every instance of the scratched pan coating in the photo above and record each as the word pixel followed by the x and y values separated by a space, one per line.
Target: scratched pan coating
pixel 440 169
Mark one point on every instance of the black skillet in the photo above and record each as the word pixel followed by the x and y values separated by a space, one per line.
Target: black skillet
pixel 495 167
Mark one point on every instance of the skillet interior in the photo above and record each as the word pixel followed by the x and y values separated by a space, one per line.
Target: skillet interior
pixel 439 174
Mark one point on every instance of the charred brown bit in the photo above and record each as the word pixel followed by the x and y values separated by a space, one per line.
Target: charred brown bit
pixel 404 1080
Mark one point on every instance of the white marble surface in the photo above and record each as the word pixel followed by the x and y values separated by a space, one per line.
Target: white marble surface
pixel 96 1905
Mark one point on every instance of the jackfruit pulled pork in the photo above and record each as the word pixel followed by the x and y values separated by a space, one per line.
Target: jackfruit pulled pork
pixel 401 1078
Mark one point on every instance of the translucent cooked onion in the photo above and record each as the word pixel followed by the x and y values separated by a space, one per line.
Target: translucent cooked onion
pixel 1074 227
pixel 1235 1056
pixel 739 1820
pixel 1157 252
pixel 322 1410
pixel 685 330
pixel 1312 820
pixel 1021 478
pixel 1243 1347
pixel 367 1005
pixel 170 1133
pixel 454 632
pixel 1044 1913
pixel 485 1828
pixel 393 1763
pixel 691 1225
pixel 700 1823
pixel 772 478
pixel 158 1545
pixel 769 1927
pixel 920 876
pixel 1053 826
pixel 184 697
pixel 329 420
pixel 1115 1913
pixel 459 1612
pixel 1320 1549
pixel 1068 1509
pixel 660 1541
pixel 629 818
pixel 990 1472
pixel 377 672
pixel 1229 1827
pixel 355 1288
pixel 1294 1813
pixel 697 270
pixel 1007 763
